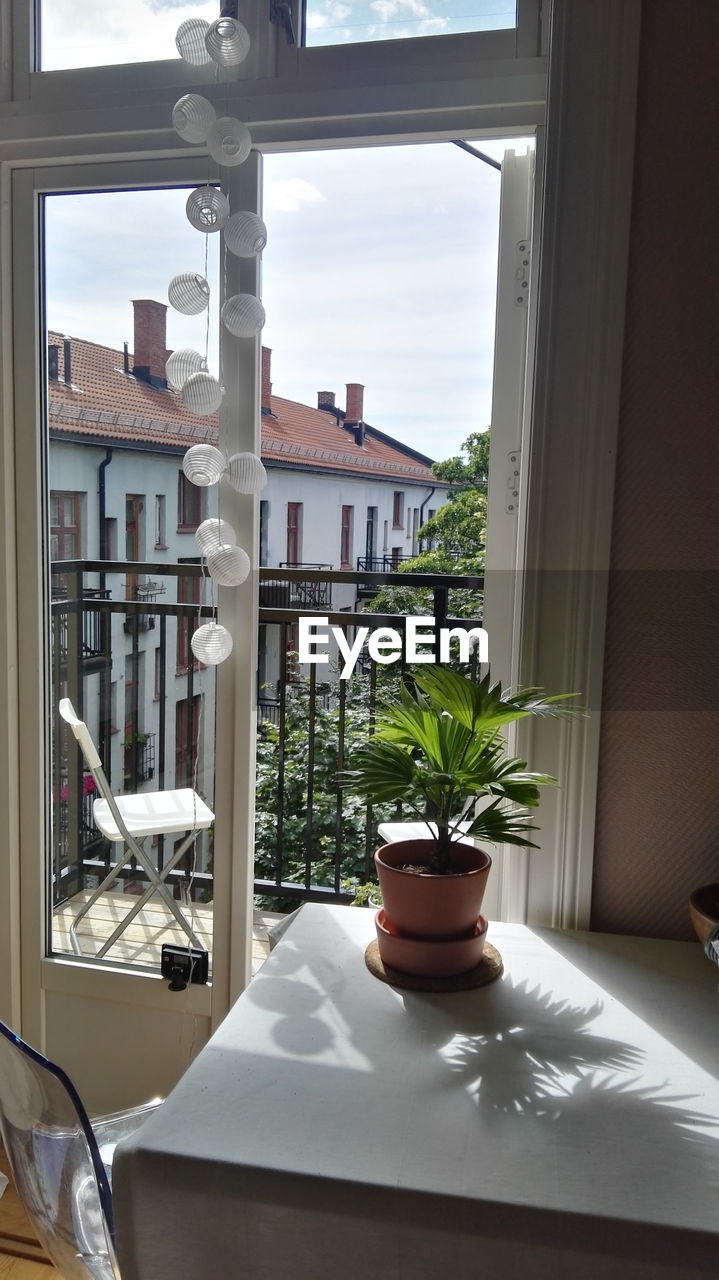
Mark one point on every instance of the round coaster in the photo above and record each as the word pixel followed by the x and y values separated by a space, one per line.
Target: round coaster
pixel 488 970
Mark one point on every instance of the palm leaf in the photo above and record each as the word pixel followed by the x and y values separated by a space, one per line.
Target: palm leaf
pixel 501 826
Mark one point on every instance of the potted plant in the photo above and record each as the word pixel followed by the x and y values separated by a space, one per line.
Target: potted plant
pixel 439 750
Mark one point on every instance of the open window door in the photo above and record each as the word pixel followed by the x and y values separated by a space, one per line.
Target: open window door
pixel 506 500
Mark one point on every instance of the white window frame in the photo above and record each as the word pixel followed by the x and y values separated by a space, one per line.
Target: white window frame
pixel 428 89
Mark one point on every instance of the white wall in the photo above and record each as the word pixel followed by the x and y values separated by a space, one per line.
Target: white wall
pixel 323 496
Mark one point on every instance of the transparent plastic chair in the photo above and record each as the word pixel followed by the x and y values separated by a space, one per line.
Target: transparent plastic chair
pixel 61 1162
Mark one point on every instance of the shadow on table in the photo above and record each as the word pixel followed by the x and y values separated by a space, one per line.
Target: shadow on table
pixel 645 982
pixel 525 1058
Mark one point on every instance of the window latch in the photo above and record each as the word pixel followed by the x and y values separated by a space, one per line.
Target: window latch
pixel 281 15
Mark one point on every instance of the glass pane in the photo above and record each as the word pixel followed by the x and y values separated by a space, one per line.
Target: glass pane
pixel 115 635
pixel 408 311
pixel 76 34
pixel 345 22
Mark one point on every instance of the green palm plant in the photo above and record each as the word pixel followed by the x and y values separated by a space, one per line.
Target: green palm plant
pixel 439 750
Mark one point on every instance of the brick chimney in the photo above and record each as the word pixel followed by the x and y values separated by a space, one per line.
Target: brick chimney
pixel 355 403
pixel 267 380
pixel 150 347
pixel 326 400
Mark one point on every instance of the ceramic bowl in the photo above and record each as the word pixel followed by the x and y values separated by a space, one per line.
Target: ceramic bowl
pixel 429 957
pixel 704 910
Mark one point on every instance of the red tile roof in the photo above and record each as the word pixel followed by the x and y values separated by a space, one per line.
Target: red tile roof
pixel 106 403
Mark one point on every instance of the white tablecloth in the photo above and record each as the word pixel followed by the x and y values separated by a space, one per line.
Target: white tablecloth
pixel 559 1122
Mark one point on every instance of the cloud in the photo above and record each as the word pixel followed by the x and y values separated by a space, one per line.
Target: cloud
pixel 81 33
pixel 387 9
pixel 289 195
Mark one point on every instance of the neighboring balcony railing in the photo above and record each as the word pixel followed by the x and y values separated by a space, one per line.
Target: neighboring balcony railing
pixel 312 840
pixel 134 753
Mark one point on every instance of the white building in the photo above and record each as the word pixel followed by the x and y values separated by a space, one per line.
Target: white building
pixel 340 495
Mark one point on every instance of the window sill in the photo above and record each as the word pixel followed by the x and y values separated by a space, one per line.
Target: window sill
pixel 186 528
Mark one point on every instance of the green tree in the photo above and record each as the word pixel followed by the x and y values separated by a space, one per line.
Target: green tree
pixel 453 540
pixel 338 818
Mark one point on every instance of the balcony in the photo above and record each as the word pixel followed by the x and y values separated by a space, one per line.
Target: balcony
pixel 313 842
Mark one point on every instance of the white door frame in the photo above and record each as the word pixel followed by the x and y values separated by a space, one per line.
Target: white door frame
pixel 585 203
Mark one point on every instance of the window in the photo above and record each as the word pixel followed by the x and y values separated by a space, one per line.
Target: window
pixel 189 504
pixel 264 531
pixel 187 735
pixel 72 36
pixel 294 533
pixel 396 556
pixel 158 674
pixel 160 543
pixel 328 23
pixel 188 592
pixel 512 90
pixel 371 534
pixel 398 509
pixel 109 547
pixel 346 537
pixel 65 525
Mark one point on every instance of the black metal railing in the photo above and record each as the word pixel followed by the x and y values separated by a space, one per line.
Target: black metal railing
pixel 313 841
pixel 155 689
pixel 381 564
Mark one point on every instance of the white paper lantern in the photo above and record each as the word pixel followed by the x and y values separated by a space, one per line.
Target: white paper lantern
pixel 243 314
pixel 202 394
pixel 211 644
pixel 245 234
pixel 181 366
pixel 246 473
pixel 228 565
pixel 212 533
pixel 189 293
pixel 227 41
pixel 207 209
pixel 229 141
pixel 190 42
pixel 203 465
pixel 192 116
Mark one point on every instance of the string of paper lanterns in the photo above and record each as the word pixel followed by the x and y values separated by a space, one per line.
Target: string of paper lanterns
pixel 225 42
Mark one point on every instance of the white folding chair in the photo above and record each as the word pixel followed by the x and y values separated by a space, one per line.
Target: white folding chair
pixel 128 820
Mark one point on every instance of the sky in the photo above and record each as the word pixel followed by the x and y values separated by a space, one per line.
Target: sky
pixel 78 33
pixel 380 267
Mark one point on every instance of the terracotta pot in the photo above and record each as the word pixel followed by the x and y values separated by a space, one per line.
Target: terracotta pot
pixel 704 910
pixel 429 957
pixel 432 906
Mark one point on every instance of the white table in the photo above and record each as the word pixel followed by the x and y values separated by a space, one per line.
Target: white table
pixel 558 1123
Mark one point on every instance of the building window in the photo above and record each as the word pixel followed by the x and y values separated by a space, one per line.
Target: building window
pixel 396 556
pixel 188 592
pixel 346 537
pixel 264 531
pixel 415 530
pixel 187 730
pixel 294 532
pixel 371 534
pixel 398 509
pixel 160 542
pixel 109 549
pixel 158 674
pixel 189 504
pixel 65 525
